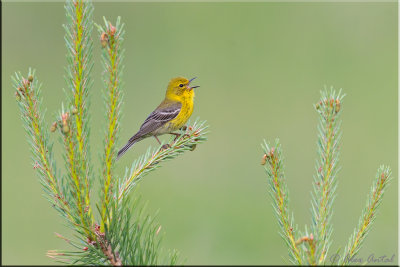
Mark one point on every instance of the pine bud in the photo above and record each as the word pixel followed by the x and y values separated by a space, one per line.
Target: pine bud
pixel 53 127
pixel 65 128
pixel 271 153
pixel 30 78
pixel 25 82
pixel 112 30
pixel 337 107
pixel 65 117
pixel 104 39
pixel 264 159
pixel 19 89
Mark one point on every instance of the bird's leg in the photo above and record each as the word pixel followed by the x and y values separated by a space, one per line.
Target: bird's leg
pixel 157 139
pixel 164 146
pixel 176 135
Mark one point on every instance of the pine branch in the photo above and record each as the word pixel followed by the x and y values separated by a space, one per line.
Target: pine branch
pixel 329 109
pixel 133 236
pixel 111 38
pixel 28 94
pixel 125 236
pixel 188 140
pixel 314 246
pixel 273 161
pixel 383 177
pixel 79 56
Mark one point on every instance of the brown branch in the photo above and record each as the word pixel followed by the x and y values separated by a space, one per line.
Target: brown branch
pixel 105 246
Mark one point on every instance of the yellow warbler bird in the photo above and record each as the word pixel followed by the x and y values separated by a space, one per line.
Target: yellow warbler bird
pixel 170 115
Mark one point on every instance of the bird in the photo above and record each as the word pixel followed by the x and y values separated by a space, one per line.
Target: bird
pixel 169 116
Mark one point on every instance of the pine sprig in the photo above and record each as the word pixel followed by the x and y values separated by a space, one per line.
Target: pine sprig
pixel 313 247
pixel 188 140
pixel 28 94
pixel 383 177
pixel 329 110
pixel 273 161
pixel 111 38
pixel 79 56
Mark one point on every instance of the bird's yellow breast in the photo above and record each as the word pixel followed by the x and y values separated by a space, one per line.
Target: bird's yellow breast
pixel 186 110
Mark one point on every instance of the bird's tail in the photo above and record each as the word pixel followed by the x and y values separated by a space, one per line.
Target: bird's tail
pixel 128 145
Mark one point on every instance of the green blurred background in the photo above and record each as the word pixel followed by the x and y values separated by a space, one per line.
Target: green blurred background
pixel 261 66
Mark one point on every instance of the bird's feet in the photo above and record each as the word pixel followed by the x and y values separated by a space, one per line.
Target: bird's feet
pixel 183 128
pixel 166 146
pixel 177 135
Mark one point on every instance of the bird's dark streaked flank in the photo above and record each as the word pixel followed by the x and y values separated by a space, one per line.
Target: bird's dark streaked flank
pixel 169 116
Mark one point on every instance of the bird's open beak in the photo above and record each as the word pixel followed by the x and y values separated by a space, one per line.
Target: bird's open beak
pixel 192 87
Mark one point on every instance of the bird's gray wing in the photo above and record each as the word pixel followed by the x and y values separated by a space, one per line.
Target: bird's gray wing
pixel 158 118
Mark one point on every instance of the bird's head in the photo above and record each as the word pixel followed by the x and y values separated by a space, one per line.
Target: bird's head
pixel 180 87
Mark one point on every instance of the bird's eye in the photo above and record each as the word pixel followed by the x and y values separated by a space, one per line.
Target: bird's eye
pixel 181 85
